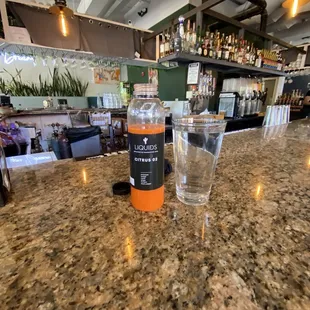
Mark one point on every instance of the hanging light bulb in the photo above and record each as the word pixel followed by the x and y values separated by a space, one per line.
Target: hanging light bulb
pixel 63 24
pixel 294 8
pixel 62 11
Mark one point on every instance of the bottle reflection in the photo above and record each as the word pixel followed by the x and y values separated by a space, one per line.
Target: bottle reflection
pixel 84 176
pixel 203 231
pixel 258 192
pixel 309 162
pixel 205 226
pixel 129 249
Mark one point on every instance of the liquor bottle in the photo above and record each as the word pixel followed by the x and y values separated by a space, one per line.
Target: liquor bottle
pixel 193 40
pixel 162 46
pixel 247 53
pixel 198 40
pixel 211 46
pixel 179 36
pixel 226 49
pixel 234 53
pixel 167 44
pixel 182 32
pixel 205 50
pixel 229 47
pixel 250 55
pixel 233 48
pixel 201 45
pixel 215 43
pixel 146 136
pixel 207 37
pixel 171 41
pixel 216 38
pixel 258 60
pixel 236 49
pixel 219 47
pixel 187 37
pixel 253 53
pixel 240 52
pixel 206 43
pixel 223 46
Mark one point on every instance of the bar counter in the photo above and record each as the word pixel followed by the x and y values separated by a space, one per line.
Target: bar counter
pixel 68 243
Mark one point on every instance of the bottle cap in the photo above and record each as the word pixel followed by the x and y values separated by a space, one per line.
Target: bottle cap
pixel 121 188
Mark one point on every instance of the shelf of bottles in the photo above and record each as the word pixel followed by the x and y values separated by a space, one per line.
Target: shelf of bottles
pixel 219 51
pixel 295 99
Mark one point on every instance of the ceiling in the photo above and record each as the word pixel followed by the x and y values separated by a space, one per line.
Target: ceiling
pixel 281 25
pixel 293 30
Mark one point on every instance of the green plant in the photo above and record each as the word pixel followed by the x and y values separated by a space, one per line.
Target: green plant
pixel 64 84
pixel 3 89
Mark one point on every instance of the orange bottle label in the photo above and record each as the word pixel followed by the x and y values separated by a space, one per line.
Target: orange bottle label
pixel 146 148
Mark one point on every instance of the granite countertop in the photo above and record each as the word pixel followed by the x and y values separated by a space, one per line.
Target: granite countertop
pixel 68 243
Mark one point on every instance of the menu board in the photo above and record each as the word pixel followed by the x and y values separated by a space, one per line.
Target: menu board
pixel 193 73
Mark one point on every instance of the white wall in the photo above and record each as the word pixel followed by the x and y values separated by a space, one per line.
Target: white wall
pixel 30 73
pixel 157 11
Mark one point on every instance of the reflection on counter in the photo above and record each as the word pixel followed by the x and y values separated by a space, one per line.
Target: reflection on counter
pixel 84 176
pixel 258 192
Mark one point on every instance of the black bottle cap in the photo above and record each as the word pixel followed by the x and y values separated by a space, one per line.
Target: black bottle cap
pixel 121 188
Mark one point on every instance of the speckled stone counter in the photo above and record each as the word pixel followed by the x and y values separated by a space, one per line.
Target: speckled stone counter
pixel 67 243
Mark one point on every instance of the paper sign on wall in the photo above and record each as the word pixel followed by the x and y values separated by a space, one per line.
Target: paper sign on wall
pixel 20 35
pixel 193 73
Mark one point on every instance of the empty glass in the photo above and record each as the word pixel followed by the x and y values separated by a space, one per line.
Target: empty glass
pixel 197 143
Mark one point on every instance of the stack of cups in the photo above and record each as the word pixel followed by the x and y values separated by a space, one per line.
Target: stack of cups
pixel 277 115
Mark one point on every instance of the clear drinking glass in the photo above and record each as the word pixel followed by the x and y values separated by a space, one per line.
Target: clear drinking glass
pixel 197 143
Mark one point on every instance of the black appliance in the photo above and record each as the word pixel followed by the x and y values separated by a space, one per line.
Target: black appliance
pixel 5 101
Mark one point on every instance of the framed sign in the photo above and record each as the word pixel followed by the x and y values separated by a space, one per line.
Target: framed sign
pixel 193 73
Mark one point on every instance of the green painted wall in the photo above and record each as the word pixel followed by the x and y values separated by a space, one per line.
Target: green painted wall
pixel 172 83
pixel 137 74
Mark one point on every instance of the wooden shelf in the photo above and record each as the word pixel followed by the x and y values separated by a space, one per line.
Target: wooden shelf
pixel 222 65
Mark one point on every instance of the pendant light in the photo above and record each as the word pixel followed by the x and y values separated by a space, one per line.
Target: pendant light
pixel 294 5
pixel 294 8
pixel 62 11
